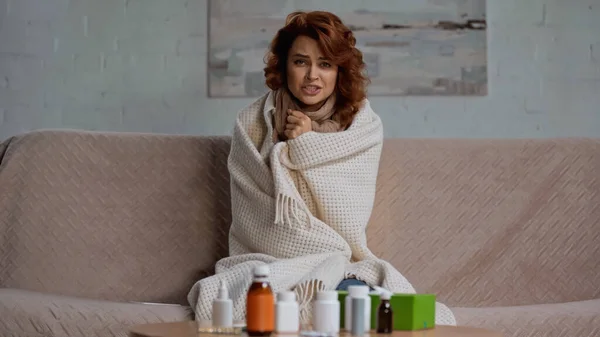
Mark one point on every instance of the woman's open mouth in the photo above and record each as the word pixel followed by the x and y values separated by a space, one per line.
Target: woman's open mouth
pixel 311 89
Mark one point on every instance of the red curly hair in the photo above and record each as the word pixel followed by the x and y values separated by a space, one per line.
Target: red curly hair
pixel 337 43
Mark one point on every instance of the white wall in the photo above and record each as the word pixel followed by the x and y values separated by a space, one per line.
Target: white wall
pixel 139 65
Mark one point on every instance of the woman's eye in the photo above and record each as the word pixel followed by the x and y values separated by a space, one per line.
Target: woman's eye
pixel 300 62
pixel 325 65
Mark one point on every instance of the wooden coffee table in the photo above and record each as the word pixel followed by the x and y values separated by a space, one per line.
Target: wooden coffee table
pixel 189 329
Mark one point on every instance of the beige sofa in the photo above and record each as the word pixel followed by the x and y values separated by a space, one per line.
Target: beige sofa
pixel 506 232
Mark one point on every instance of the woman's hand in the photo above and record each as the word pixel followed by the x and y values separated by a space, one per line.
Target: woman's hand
pixel 297 124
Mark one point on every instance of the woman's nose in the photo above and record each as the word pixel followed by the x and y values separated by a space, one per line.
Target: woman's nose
pixel 311 73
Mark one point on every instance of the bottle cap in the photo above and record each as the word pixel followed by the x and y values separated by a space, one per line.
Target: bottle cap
pixel 286 296
pixel 386 295
pixel 327 295
pixel 358 291
pixel 262 270
pixel 223 292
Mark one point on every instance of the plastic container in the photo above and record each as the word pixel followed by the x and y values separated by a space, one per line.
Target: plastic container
pixel 358 327
pixel 287 313
pixel 222 314
pixel 357 291
pixel 326 312
pixel 260 304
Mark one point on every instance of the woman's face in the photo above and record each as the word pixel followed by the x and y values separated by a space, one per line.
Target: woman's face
pixel 311 78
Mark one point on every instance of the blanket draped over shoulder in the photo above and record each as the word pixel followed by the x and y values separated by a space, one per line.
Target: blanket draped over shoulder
pixel 302 207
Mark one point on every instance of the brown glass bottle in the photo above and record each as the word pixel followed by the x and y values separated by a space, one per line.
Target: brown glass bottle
pixel 385 315
pixel 260 304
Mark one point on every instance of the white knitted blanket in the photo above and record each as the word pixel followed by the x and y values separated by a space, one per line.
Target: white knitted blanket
pixel 302 207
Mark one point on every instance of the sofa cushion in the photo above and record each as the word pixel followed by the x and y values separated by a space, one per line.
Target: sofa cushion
pixel 581 319
pixel 26 313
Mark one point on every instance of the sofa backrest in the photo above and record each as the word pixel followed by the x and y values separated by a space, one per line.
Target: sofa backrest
pixel 126 217
pixel 491 222
pixel 141 217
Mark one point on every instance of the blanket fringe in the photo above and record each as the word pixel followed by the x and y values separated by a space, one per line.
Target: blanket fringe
pixel 305 294
pixel 286 208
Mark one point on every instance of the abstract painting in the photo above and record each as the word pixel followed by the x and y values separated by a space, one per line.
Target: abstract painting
pixel 410 47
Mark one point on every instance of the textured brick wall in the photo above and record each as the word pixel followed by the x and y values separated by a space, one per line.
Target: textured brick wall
pixel 138 65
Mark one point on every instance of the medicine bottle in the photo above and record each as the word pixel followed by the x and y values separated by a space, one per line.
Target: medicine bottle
pixel 326 312
pixel 358 327
pixel 287 313
pixel 385 315
pixel 357 291
pixel 222 314
pixel 260 304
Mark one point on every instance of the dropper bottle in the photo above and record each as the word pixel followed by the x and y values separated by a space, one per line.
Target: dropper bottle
pixel 222 315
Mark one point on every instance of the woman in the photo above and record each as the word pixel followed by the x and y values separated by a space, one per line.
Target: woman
pixel 303 163
pixel 316 74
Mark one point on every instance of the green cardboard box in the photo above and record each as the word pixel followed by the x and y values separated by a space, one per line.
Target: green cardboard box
pixel 342 298
pixel 411 311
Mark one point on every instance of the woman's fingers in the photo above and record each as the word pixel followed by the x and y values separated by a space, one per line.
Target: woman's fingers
pixel 297 124
pixel 290 134
pixel 295 120
pixel 296 113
